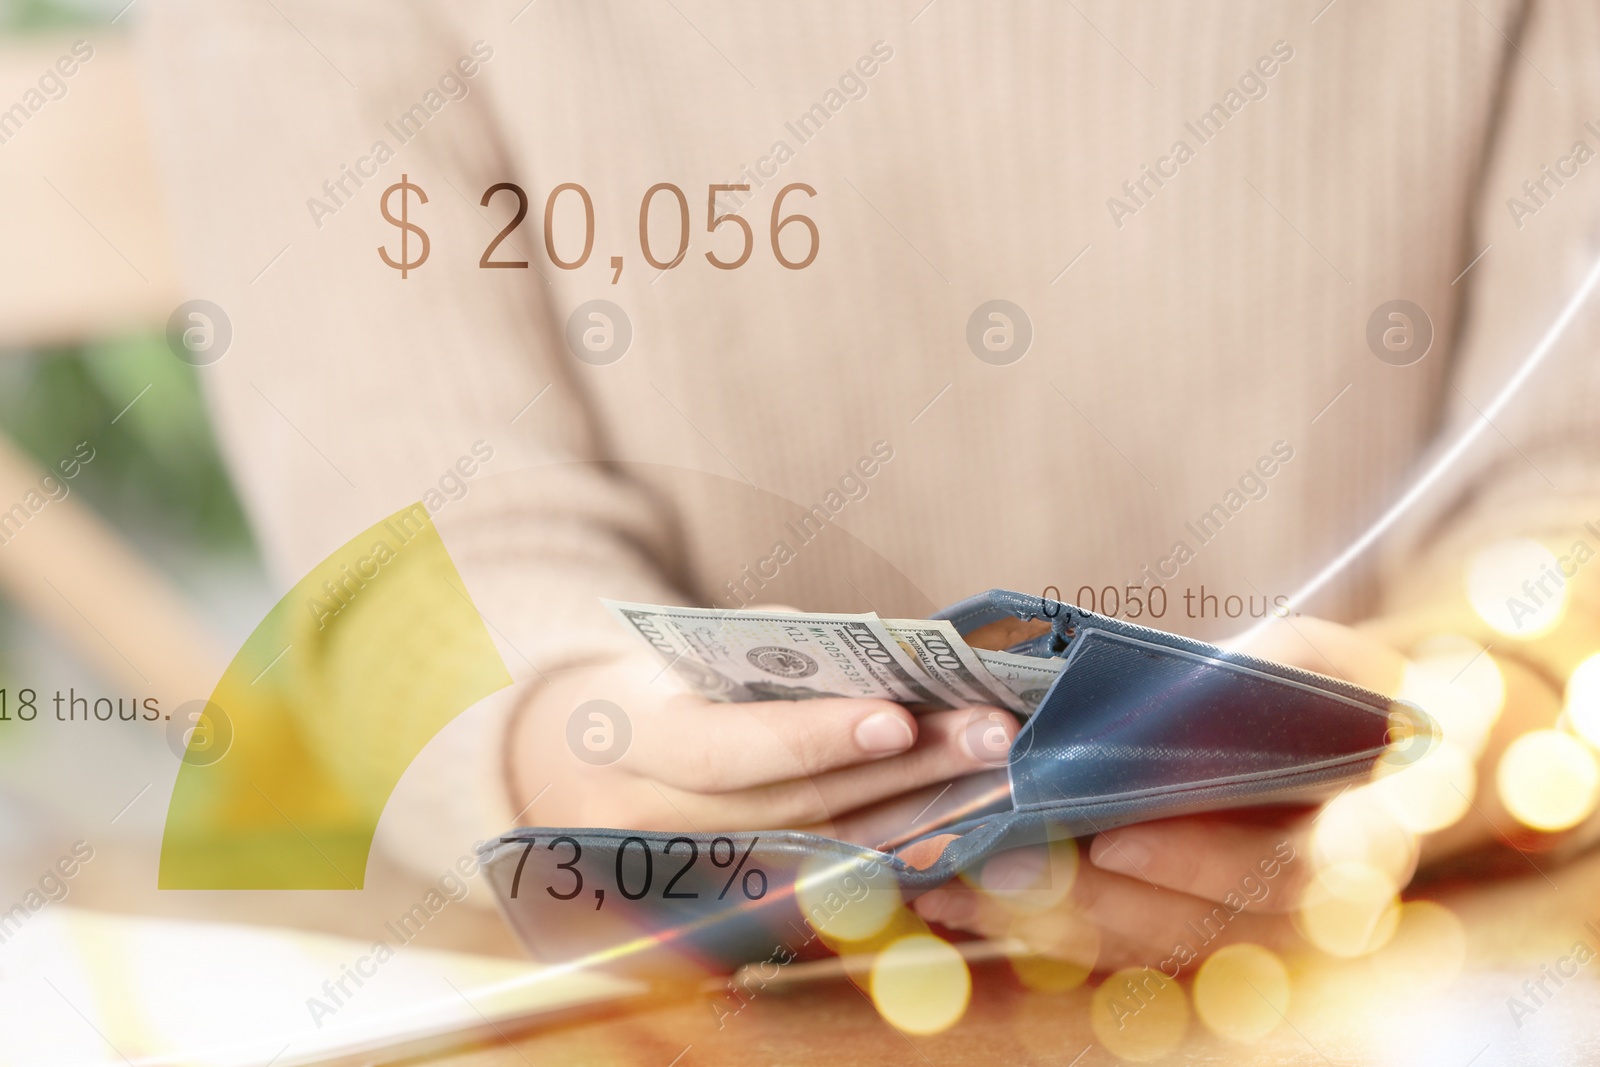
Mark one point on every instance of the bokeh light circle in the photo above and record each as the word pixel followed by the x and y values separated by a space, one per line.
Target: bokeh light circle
pixel 841 902
pixel 1583 699
pixel 1047 974
pixel 1349 909
pixel 1242 992
pixel 1062 945
pixel 1548 780
pixel 920 984
pixel 1139 1014
pixel 1504 586
pixel 1358 826
pixel 1432 793
pixel 1459 685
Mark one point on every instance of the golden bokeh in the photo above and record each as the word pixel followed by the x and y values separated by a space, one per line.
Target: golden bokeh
pixel 1349 909
pixel 1503 585
pixel 1548 780
pixel 1047 974
pixel 1431 793
pixel 1460 687
pixel 1138 1014
pixel 1357 826
pixel 920 984
pixel 1242 992
pixel 1583 699
pixel 1063 946
pixel 841 902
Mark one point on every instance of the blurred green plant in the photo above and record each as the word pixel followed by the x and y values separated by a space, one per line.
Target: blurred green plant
pixel 156 474
pixel 23 16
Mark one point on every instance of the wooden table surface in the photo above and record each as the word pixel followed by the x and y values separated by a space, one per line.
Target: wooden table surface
pixel 1407 1005
pixel 833 1022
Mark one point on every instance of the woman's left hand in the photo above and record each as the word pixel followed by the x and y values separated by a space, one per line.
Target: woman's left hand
pixel 1165 894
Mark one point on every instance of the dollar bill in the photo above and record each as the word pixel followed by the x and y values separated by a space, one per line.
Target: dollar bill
pixel 942 654
pixel 743 656
pixel 1027 678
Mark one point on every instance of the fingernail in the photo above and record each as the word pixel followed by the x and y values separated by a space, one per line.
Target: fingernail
pixel 884 732
pixel 1121 856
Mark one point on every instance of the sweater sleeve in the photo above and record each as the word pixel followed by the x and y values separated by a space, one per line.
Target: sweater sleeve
pixel 350 389
pixel 1533 469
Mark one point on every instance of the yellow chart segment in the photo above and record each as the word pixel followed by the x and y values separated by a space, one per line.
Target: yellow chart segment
pixel 321 712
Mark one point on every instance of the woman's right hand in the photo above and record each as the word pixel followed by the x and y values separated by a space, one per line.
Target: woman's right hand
pixel 672 760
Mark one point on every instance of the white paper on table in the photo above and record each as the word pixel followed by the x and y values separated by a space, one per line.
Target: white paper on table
pixel 84 989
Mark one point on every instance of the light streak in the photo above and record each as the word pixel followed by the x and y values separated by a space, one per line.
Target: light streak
pixel 1445 461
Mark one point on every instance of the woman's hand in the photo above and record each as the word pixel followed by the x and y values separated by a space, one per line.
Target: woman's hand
pixel 1162 894
pixel 1167 893
pixel 664 759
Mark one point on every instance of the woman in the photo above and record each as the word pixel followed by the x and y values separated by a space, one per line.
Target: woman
pixel 1220 236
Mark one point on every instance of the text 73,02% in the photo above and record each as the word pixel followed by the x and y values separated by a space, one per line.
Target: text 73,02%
pixel 753 884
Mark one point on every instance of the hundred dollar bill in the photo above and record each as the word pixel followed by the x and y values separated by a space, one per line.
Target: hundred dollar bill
pixel 945 656
pixel 1027 678
pixel 743 656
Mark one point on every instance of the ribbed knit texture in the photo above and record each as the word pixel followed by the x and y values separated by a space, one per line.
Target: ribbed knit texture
pixel 1223 315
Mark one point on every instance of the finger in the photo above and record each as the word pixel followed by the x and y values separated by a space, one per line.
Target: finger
pixel 1110 922
pixel 941 753
pixel 1249 866
pixel 892 822
pixel 1144 925
pixel 944 751
pixel 703 747
pixel 1063 933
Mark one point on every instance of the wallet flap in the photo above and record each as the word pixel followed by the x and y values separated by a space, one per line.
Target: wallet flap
pixel 1130 717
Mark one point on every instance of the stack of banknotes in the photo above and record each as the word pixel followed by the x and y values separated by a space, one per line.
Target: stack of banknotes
pixel 742 656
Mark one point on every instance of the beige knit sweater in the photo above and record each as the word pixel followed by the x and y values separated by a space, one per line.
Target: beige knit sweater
pixel 1198 207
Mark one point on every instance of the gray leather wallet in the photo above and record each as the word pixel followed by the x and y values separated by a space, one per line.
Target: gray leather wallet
pixel 1140 724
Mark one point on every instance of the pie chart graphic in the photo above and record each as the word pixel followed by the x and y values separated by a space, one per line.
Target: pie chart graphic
pixel 327 703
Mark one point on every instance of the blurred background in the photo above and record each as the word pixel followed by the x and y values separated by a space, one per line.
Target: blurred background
pixel 148 547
